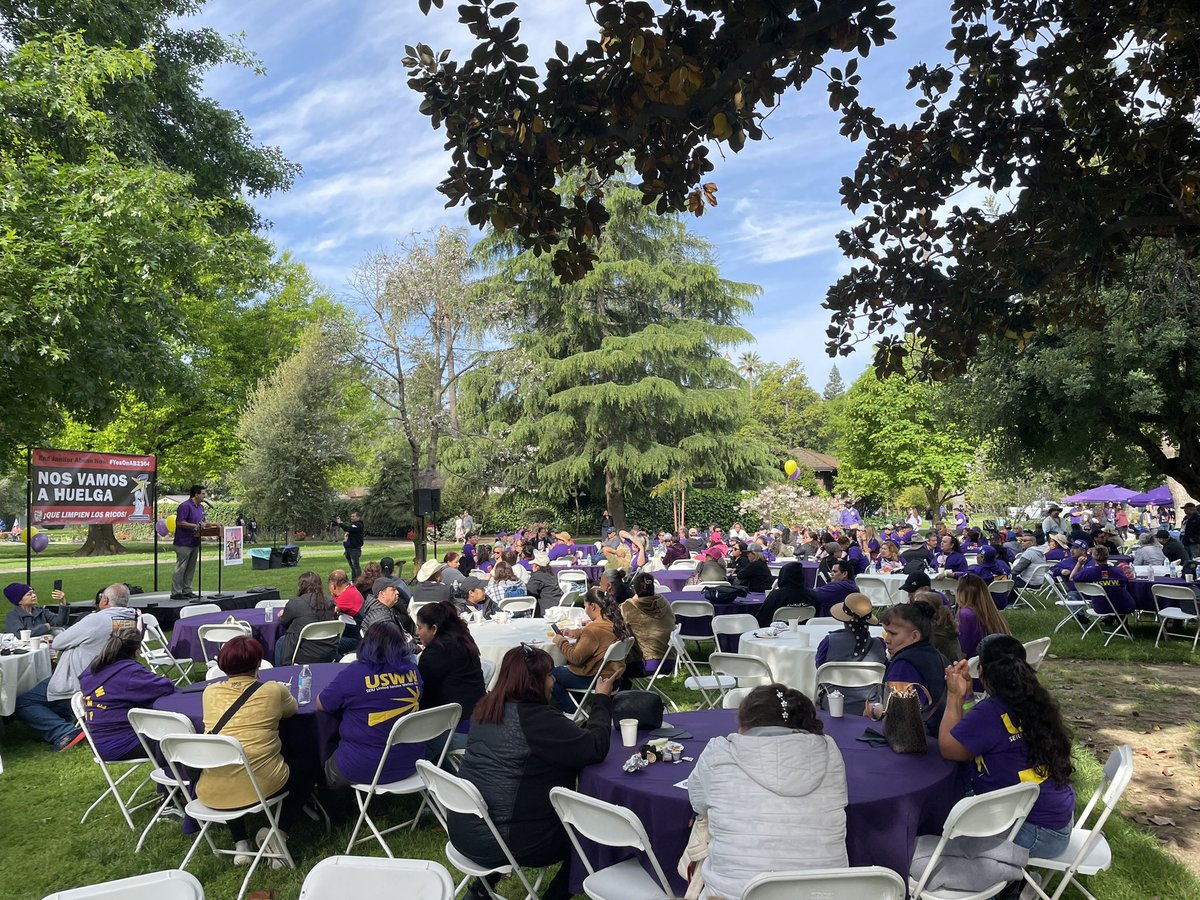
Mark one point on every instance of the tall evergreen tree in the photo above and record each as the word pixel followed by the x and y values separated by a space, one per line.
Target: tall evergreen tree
pixel 834 387
pixel 626 380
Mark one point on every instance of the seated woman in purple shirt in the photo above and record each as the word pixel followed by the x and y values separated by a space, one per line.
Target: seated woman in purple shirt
pixel 112 685
pixel 907 630
pixel 977 614
pixel 973 541
pixel 1016 735
pixel 1110 577
pixel 950 557
pixel 989 568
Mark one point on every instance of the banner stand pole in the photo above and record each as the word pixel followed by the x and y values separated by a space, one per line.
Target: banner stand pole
pixel 154 527
pixel 220 594
pixel 28 515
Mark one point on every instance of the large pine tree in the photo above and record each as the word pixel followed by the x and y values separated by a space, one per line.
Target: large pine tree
pixel 626 381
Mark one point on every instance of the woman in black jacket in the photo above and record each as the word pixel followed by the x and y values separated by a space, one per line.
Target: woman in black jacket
pixel 790 591
pixel 449 664
pixel 755 576
pixel 520 747
pixel 310 606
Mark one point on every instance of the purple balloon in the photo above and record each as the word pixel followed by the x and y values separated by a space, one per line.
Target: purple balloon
pixel 39 543
pixel 161 527
pixel 794 475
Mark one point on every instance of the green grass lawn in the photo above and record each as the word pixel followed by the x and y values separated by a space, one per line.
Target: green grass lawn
pixel 42 794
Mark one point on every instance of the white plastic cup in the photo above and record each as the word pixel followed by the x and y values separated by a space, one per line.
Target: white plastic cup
pixel 794 625
pixel 802 638
pixel 836 704
pixel 629 732
pixel 26 634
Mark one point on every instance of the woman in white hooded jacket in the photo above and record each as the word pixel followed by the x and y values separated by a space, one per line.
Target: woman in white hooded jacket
pixel 774 793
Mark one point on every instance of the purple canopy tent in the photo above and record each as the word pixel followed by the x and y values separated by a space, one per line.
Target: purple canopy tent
pixel 1160 496
pixel 1106 493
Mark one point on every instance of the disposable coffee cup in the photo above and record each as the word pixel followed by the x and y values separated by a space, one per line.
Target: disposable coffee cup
pixel 629 732
pixel 836 704
pixel 794 624
pixel 802 638
pixel 26 634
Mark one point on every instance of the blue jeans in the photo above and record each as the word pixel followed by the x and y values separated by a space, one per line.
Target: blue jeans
pixel 564 678
pixel 51 719
pixel 1043 843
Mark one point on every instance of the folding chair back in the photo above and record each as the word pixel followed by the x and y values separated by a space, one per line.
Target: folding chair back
pixel 1001 589
pixel 825 620
pixel 219 635
pixel 152 725
pixel 985 815
pixel 573 582
pixel 571 597
pixel 850 674
pixel 1035 652
pixel 874 882
pixel 422 726
pixel 945 586
pixel 173 884
pixel 518 604
pixel 681 564
pixel 79 708
pixel 198 609
pixel 691 609
pixel 875 587
pixel 736 623
pixel 741 666
pixel 734 696
pixel 607 824
pixel 156 651
pixel 616 653
pixel 1166 595
pixel 336 877
pixel 270 604
pixel 319 632
pixel 794 614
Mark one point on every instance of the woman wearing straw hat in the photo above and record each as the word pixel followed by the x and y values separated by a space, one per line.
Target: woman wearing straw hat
pixel 853 643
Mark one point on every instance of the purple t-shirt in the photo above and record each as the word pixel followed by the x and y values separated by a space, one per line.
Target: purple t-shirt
pixel 370 700
pixel 955 562
pixel 109 696
pixel 832 593
pixel 558 551
pixel 1113 580
pixel 189 511
pixel 849 517
pixel 1001 761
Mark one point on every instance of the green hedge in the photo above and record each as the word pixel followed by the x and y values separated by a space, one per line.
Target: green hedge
pixel 652 513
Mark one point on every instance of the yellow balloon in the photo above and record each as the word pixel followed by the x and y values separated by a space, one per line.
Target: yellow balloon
pixel 171 524
pixel 28 533
pixel 790 467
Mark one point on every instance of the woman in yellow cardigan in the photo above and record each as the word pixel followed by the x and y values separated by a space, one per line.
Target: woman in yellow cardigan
pixel 584 648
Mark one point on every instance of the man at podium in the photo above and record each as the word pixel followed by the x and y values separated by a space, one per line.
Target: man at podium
pixel 189 525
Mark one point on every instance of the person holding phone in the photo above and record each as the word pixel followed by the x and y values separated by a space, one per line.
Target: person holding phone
pixel 26 614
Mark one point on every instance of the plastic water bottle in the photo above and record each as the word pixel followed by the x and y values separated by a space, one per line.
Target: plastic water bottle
pixel 304 690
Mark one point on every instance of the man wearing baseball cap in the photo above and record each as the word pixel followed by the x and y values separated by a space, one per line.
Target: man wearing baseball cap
pixel 475 601
pixel 542 584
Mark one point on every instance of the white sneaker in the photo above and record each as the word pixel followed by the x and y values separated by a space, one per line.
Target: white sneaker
pixel 278 845
pixel 245 853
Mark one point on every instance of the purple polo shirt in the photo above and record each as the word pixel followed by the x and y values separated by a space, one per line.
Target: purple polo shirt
pixel 189 511
pixel 370 699
pixel 832 593
pixel 849 517
pixel 1113 579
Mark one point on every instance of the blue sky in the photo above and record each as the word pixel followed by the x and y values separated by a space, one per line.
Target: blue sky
pixel 335 100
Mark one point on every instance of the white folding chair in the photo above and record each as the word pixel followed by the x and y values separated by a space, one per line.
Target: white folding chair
pixel 610 825
pixel 270 604
pixel 873 882
pixel 681 564
pixel 692 588
pixel 740 668
pixel 198 609
pixel 692 609
pixel 666 667
pixel 489 669
pixel 875 587
pixel 1028 595
pixel 985 815
pixel 173 884
pixel 1088 852
pixel 1167 598
pixel 946 586
pixel 733 697
pixel 214 751
pixel 519 605
pixel 850 675
pixel 693 679
pixel 320 632
pixel 572 599
pixel 219 635
pixel 616 653
pixel 414 728
pixel 1063 599
pixel 1095 595
pixel 822 621
pixel 736 623
pixel 573 582
pixel 659 587
pixel 338 877
pixel 453 794
pixel 157 652
pixel 1003 588
pixel 1035 652
pixel 114 785
pixel 154 725
pixel 794 614
pixel 214 671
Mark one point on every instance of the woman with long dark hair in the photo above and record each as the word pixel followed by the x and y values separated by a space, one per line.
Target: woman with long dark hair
pixel 907 630
pixel 950 556
pixel 774 793
pixel 519 748
pixel 112 685
pixel 584 648
pixel 504 582
pixel 1015 735
pixel 449 664
pixel 380 686
pixel 364 582
pixel 977 614
pixel 790 590
pixel 310 605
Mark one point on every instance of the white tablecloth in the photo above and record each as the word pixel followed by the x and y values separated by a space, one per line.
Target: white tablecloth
pixel 893 581
pixel 495 640
pixel 20 672
pixel 792 663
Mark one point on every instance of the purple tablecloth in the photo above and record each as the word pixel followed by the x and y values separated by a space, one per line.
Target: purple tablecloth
pixel 309 731
pixel 893 797
pixel 674 579
pixel 1140 591
pixel 185 636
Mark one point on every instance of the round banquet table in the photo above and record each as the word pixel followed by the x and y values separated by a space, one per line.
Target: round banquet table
pixel 310 732
pixel 185 636
pixel 892 797
pixel 495 639
pixel 1139 589
pixel 673 579
pixel 792 655
pixel 19 671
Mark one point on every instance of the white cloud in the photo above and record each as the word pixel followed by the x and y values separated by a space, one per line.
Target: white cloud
pixel 775 232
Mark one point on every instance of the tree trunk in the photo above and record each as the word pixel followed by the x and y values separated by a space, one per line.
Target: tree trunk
pixel 614 498
pixel 933 497
pixel 100 542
